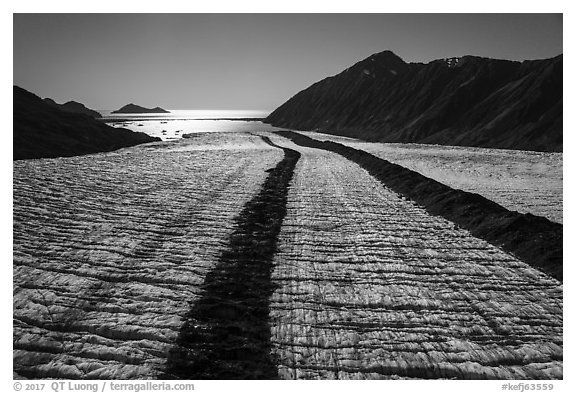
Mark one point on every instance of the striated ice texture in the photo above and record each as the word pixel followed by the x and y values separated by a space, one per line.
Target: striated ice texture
pixel 371 286
pixel 523 181
pixel 110 249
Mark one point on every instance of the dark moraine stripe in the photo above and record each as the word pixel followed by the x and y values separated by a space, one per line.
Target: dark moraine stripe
pixel 534 240
pixel 226 334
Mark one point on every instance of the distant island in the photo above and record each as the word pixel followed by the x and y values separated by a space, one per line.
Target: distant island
pixel 461 101
pixel 132 108
pixel 43 130
pixel 73 107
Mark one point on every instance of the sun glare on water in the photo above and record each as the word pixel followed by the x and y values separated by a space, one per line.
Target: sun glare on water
pixel 170 126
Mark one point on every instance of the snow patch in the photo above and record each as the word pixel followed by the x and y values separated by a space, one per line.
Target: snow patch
pixel 452 61
pixel 368 72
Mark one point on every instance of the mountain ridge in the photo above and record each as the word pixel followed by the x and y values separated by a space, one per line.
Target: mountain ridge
pixel 73 107
pixel 466 101
pixel 44 131
pixel 133 108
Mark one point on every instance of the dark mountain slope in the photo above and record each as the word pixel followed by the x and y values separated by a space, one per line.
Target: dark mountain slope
pixel 43 131
pixel 74 107
pixel 468 101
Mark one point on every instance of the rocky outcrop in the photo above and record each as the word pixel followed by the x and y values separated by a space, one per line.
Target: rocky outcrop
pixel 132 108
pixel 467 101
pixel 43 131
pixel 74 107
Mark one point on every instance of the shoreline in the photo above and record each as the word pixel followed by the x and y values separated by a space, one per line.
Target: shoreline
pixel 123 120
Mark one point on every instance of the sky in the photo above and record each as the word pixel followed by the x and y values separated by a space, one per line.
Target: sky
pixel 244 61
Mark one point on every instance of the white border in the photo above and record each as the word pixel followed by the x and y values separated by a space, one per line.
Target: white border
pixel 247 6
